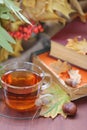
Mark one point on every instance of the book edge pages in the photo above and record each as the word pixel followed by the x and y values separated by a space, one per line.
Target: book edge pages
pixel 59 51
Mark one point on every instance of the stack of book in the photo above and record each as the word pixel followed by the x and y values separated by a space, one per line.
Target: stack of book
pixel 67 67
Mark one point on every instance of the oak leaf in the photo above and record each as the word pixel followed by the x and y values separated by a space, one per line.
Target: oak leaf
pixel 54 108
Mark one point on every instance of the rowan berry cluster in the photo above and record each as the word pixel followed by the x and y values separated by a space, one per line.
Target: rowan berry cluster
pixel 24 32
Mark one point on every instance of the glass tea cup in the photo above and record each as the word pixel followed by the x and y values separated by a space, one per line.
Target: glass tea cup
pixel 22 83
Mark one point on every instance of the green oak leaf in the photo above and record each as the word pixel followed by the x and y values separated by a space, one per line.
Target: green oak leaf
pixel 54 108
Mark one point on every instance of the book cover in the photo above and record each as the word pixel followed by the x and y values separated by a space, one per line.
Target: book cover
pixel 45 61
pixel 71 30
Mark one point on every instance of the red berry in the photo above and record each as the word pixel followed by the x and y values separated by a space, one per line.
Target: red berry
pixel 41 30
pixel 25 29
pixel 35 30
pixel 20 28
pixel 39 26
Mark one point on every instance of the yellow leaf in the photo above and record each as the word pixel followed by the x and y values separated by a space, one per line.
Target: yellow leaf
pixel 42 11
pixel 49 5
pixel 53 9
pixel 15 25
pixel 3 54
pixel 29 3
pixel 80 46
pixel 63 7
pixel 17 48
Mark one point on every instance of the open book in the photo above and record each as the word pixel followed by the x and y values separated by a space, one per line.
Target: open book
pixel 49 64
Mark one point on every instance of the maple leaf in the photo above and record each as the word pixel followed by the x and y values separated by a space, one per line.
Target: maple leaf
pixel 54 108
pixel 80 46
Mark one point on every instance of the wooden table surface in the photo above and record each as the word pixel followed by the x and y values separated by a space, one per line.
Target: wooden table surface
pixel 79 122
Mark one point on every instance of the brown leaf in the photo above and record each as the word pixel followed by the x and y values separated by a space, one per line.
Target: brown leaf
pixel 77 6
pixel 79 10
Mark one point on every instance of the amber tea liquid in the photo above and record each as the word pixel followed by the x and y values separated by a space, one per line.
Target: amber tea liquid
pixel 18 97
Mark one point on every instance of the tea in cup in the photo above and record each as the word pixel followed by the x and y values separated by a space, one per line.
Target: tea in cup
pixel 21 83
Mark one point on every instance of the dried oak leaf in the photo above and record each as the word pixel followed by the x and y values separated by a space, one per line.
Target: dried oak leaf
pixel 80 46
pixel 54 108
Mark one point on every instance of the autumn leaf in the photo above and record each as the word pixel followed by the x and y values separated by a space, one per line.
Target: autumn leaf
pixel 49 5
pixel 60 66
pixel 3 54
pixel 80 46
pixel 63 7
pixel 46 10
pixel 77 6
pixel 17 48
pixel 54 108
pixel 31 3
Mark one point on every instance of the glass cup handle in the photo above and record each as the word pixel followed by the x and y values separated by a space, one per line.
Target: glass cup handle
pixel 45 98
pixel 47 81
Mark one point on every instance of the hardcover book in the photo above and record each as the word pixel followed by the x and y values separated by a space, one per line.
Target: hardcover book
pixel 70 44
